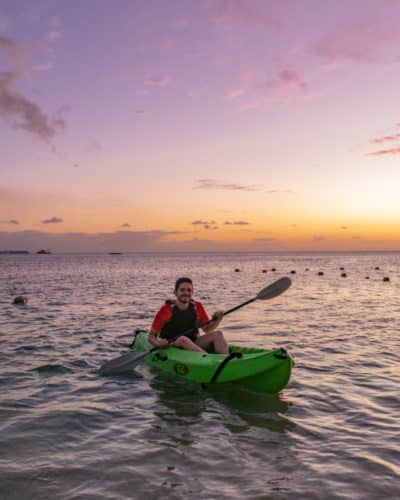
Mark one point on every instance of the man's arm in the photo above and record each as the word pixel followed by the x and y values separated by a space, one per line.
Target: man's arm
pixel 215 321
pixel 155 341
pixel 162 317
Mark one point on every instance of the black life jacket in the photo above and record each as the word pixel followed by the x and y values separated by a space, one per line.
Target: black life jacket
pixel 181 321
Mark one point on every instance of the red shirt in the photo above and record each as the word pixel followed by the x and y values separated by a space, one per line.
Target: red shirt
pixel 165 314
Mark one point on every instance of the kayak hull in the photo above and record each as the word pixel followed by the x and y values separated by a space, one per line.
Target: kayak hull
pixel 257 369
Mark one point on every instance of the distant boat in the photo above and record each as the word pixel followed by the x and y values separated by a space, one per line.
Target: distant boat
pixel 114 253
pixel 43 251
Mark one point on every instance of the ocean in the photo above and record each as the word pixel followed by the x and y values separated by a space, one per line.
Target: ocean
pixel 68 433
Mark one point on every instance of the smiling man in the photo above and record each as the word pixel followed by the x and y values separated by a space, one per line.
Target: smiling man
pixel 182 314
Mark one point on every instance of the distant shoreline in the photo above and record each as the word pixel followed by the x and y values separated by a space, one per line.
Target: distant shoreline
pixel 14 251
pixel 219 252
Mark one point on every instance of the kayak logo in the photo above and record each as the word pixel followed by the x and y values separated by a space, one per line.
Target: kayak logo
pixel 181 369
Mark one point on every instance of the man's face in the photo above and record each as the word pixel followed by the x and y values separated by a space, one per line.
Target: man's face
pixel 184 292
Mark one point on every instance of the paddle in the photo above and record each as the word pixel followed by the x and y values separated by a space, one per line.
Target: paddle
pixel 128 361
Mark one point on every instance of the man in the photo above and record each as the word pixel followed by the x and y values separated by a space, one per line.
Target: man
pixel 184 313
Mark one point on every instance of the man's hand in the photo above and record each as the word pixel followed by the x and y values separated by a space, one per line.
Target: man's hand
pixel 162 343
pixel 217 316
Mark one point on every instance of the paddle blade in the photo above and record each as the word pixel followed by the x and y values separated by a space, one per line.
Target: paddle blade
pixel 274 289
pixel 122 364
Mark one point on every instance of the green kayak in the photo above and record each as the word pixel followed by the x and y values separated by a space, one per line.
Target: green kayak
pixel 257 369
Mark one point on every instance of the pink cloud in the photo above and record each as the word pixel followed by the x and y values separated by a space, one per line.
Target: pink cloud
pixel 236 13
pixel 384 152
pixel 368 42
pixel 233 94
pixel 10 48
pixel 214 184
pixel 386 138
pixel 285 82
pixel 157 81
pixel 155 41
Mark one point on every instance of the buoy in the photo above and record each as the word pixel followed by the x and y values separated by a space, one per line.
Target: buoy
pixel 342 269
pixel 343 275
pixel 367 277
pixel 20 300
pixel 377 268
pixel 307 269
pixel 237 270
pixel 264 270
pixel 293 272
pixel 273 269
pixel 386 278
pixel 320 273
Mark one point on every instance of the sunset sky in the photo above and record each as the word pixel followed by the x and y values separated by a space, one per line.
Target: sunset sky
pixel 199 125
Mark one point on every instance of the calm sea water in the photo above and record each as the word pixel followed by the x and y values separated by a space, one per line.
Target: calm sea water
pixel 67 433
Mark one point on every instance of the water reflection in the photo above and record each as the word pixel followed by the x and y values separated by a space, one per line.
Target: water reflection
pixel 181 402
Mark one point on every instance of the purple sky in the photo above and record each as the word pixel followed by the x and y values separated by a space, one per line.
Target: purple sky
pixel 199 125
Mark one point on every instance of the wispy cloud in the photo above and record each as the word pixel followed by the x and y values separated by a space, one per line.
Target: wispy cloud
pixel 385 152
pixel 25 114
pixel 205 224
pixel 370 41
pixel 211 184
pixel 12 221
pixel 157 81
pixel 386 138
pixel 96 146
pixel 255 92
pixel 237 13
pixel 52 220
pixel 288 79
pixel 237 223
pixel 125 225
pixel 11 49
pixel 214 184
pixel 154 41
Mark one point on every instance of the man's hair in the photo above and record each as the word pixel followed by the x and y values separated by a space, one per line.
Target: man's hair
pixel 179 281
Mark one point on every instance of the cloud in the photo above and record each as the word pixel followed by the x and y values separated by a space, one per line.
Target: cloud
pixel 344 228
pixel 205 224
pixel 233 94
pixel 363 42
pixel 384 152
pixel 237 13
pixel 386 138
pixel 237 223
pixel 96 146
pixel 256 93
pixel 25 114
pixel 157 81
pixel 11 49
pixel 125 225
pixel 52 220
pixel 200 222
pixel 12 221
pixel 286 79
pixel 214 184
pixel 154 41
